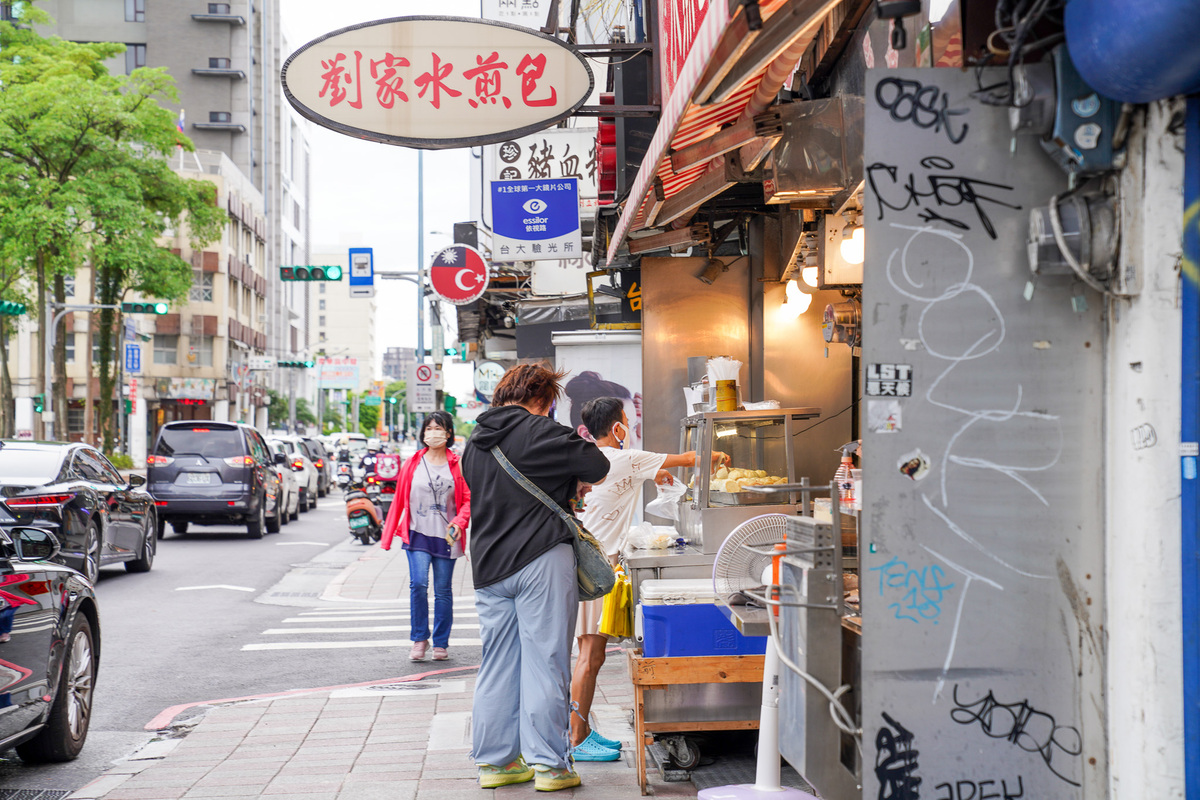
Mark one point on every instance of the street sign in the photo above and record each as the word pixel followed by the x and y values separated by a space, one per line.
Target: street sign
pixel 487 375
pixel 130 329
pixel 133 358
pixel 372 400
pixel 439 344
pixel 536 220
pixel 362 272
pixel 459 274
pixel 260 362
pixel 422 393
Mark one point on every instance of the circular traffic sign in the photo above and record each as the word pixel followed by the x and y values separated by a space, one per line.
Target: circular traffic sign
pixel 487 375
pixel 459 274
pixel 424 373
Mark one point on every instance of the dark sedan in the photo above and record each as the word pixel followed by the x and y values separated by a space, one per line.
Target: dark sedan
pixel 74 492
pixel 49 649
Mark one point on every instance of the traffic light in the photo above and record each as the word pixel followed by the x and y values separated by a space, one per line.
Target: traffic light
pixel 297 364
pixel 39 403
pixel 393 400
pixel 332 273
pixel 144 308
pixel 128 406
pixel 9 309
pixel 449 402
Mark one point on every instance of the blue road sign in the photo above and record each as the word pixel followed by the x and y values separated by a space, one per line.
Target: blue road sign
pixel 536 220
pixel 133 358
pixel 362 272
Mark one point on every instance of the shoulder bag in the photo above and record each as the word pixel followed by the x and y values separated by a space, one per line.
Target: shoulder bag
pixel 594 573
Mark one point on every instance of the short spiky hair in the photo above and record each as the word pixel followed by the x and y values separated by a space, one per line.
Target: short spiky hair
pixel 528 383
pixel 600 414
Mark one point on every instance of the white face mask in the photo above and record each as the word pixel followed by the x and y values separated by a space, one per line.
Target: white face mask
pixel 435 438
pixel 620 437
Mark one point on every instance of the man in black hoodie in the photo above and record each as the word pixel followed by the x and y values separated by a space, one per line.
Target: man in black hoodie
pixel 526 594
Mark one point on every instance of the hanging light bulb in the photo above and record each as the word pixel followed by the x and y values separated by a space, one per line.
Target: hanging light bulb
pixel 809 276
pixel 853 244
pixel 797 301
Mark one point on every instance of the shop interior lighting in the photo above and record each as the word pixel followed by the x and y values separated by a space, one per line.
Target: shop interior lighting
pixel 809 276
pixel 797 301
pixel 712 271
pixel 726 433
pixel 853 244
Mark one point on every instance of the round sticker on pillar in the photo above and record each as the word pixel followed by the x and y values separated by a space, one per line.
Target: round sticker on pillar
pixel 459 274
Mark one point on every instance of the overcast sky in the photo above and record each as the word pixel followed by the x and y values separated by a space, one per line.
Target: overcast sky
pixel 365 194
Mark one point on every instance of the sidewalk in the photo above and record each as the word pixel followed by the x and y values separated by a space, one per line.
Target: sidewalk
pixel 402 738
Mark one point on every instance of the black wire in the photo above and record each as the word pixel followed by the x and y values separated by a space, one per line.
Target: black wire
pixel 822 422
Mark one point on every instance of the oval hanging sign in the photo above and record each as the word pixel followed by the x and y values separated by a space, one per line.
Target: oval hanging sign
pixel 436 82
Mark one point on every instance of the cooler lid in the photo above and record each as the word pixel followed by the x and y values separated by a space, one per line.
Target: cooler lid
pixel 676 592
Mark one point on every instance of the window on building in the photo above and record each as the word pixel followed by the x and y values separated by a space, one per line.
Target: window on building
pixel 321 320
pixel 203 346
pixel 69 347
pixel 69 285
pixel 135 10
pixel 220 116
pixel 321 303
pixel 96 349
pixel 6 12
pixel 202 287
pixel 219 63
pixel 135 56
pixel 166 348
pixel 321 290
pixel 75 419
pixel 218 8
pixel 321 335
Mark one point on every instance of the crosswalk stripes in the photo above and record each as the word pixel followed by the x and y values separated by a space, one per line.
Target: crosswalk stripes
pixel 327 629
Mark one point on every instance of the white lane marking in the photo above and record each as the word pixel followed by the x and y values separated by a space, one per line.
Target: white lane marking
pixel 391 610
pixel 362 629
pixel 312 620
pixel 289 544
pixel 215 586
pixel 450 730
pixel 351 645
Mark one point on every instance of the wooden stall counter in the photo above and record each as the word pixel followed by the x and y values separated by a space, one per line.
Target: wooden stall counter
pixel 658 674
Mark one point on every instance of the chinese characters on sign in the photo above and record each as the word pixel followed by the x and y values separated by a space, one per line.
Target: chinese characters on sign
pixel 337 372
pixel 535 220
pixel 558 153
pixel 530 13
pixel 452 81
pixel 889 380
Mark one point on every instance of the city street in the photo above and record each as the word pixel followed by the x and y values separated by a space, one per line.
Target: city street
pixel 221 616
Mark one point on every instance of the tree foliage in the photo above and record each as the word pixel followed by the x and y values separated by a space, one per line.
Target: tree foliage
pixel 84 177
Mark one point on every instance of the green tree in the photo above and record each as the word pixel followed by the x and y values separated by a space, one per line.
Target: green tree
pixel 277 411
pixel 333 421
pixel 368 416
pixel 304 412
pixel 83 167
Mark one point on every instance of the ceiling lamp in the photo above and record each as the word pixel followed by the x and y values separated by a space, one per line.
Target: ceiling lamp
pixel 809 276
pixel 797 301
pixel 853 244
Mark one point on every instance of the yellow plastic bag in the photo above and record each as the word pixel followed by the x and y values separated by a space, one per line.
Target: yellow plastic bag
pixel 616 618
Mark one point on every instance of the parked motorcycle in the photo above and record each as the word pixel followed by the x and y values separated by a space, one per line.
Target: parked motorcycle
pixel 362 512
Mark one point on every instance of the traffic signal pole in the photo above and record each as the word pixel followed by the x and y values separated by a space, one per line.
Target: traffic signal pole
pixel 48 363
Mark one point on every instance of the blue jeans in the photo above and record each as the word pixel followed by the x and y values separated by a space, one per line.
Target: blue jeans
pixel 419 563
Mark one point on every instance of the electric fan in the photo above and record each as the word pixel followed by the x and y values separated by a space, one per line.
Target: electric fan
pixel 735 570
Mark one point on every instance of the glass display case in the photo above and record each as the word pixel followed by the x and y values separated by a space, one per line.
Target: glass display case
pixel 760 446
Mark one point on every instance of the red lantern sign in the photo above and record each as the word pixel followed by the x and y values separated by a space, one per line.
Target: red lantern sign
pixel 459 274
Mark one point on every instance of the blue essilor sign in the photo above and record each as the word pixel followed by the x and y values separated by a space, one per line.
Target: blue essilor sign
pixel 535 220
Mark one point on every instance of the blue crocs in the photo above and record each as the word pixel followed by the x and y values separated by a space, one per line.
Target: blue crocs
pixel 611 744
pixel 591 750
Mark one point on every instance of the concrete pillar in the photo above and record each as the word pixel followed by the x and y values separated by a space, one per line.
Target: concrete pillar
pixel 221 411
pixel 260 418
pixel 1145 639
pixel 137 428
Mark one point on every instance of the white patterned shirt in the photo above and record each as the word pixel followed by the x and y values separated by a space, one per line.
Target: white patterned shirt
pixel 610 507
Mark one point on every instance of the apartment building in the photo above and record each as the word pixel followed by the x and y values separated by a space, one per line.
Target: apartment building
pixel 343 326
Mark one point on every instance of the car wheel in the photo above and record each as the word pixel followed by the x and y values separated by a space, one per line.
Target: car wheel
pixel 274 523
pixel 67 726
pixel 258 523
pixel 162 529
pixel 179 527
pixel 296 514
pixel 285 516
pixel 304 500
pixel 91 552
pixel 149 546
pixel 312 500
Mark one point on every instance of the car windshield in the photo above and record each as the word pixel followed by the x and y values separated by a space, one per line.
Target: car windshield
pixel 19 465
pixel 208 442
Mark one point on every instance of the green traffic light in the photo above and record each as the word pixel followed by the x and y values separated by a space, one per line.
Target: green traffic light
pixel 160 308
pixel 39 403
pixel 333 273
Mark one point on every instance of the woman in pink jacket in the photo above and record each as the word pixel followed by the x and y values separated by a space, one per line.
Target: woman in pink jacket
pixel 429 514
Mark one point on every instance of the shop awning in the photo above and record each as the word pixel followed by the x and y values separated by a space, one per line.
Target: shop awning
pixel 734 69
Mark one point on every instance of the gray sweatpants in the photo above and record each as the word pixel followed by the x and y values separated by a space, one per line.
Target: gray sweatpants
pixel 523 693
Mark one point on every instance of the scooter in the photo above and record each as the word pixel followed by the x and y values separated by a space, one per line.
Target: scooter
pixel 366 523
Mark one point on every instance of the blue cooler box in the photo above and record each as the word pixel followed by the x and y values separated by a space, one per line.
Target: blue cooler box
pixel 680 618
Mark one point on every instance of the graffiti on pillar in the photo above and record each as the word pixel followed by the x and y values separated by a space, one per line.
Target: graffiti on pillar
pixel 896 762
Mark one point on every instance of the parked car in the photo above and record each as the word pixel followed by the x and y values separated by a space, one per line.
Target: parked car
pixel 212 473
pixel 49 647
pixel 307 474
pixel 323 461
pixel 98 516
pixel 289 503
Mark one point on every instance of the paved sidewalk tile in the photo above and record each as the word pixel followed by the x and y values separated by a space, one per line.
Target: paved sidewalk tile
pixel 318 747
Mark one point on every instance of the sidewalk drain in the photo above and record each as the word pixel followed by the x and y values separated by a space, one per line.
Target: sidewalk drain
pixel 401 688
pixel 33 794
pixel 278 594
